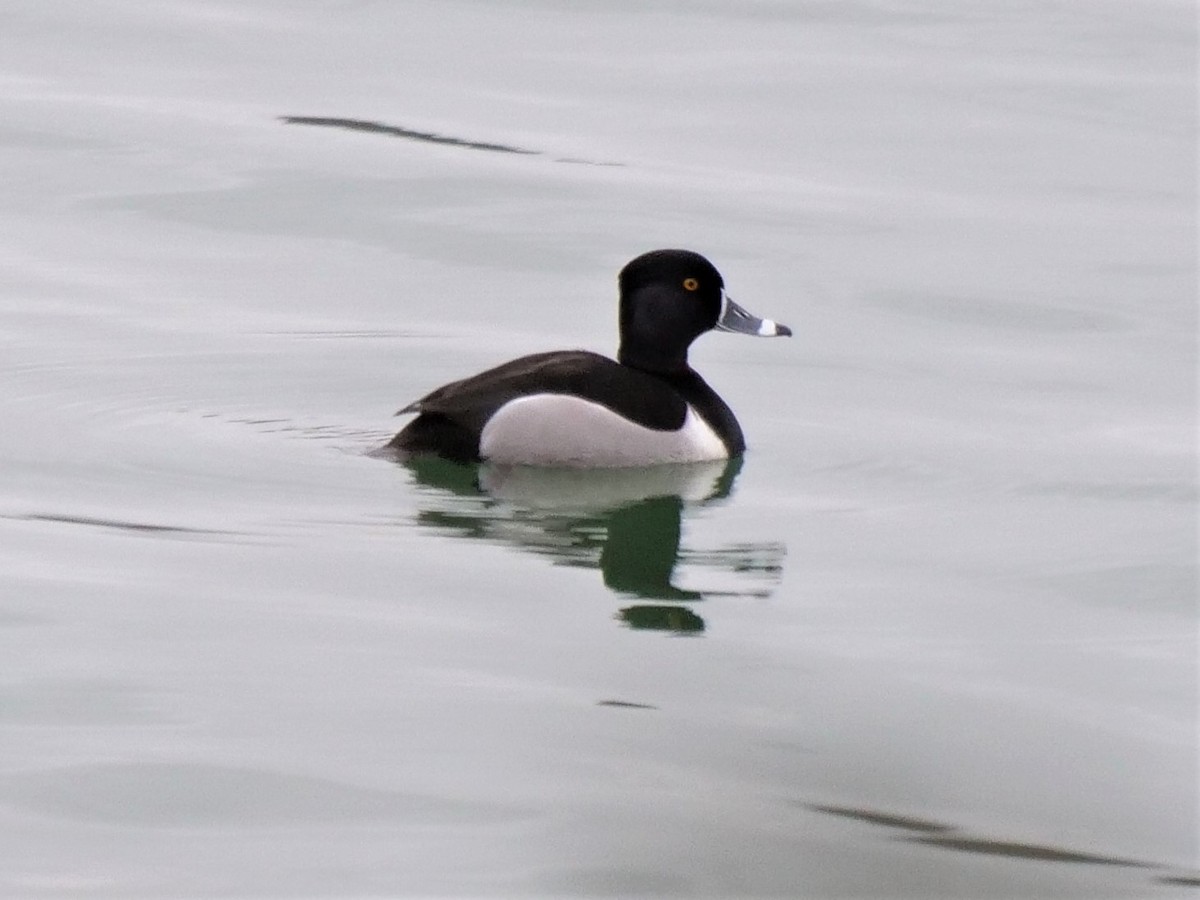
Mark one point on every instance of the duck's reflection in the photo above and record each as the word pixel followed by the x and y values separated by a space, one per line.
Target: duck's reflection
pixel 628 523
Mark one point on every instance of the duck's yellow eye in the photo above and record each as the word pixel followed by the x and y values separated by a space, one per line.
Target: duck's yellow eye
pixel 690 284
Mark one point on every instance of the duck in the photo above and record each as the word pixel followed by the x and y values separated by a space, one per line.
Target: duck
pixel 579 409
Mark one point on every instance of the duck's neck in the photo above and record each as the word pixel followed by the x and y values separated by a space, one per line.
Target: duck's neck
pixel 656 363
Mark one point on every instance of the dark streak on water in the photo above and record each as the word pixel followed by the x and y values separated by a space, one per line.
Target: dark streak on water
pixel 141 527
pixel 428 137
pixel 951 837
pixel 1025 851
pixel 626 704
pixel 1180 880
pixel 397 131
pixel 888 820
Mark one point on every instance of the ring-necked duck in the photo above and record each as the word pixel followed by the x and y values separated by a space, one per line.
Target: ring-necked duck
pixel 577 408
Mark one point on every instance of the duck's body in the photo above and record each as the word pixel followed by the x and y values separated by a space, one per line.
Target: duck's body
pixel 573 407
pixel 577 408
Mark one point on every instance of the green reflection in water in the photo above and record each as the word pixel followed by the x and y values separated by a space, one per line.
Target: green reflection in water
pixel 628 523
pixel 653 617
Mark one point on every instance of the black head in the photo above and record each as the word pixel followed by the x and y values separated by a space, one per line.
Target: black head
pixel 668 299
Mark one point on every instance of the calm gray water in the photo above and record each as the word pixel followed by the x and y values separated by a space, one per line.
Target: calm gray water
pixel 936 635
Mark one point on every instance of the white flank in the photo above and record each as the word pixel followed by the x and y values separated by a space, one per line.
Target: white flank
pixel 561 430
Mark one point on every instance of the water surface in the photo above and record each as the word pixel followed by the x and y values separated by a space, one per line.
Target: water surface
pixel 934 636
